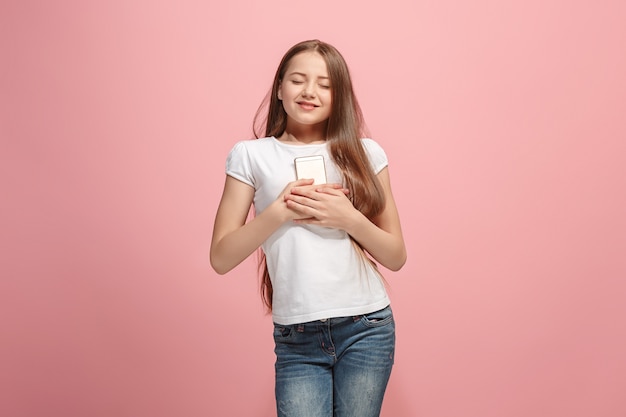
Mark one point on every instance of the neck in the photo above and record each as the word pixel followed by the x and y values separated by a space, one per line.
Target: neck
pixel 305 134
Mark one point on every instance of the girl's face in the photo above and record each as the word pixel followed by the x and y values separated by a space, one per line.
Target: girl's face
pixel 305 90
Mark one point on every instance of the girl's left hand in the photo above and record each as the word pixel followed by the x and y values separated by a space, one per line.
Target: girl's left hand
pixel 325 205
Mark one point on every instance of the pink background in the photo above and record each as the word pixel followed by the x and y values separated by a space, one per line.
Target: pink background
pixel 505 125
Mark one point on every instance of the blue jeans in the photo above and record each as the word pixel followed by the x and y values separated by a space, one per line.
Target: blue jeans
pixel 338 367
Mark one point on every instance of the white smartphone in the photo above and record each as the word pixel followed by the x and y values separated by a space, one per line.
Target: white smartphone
pixel 311 167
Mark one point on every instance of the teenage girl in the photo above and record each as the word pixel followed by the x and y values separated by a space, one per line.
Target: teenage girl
pixel 333 326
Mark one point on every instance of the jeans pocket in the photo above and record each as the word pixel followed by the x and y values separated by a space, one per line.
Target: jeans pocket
pixel 378 318
pixel 282 332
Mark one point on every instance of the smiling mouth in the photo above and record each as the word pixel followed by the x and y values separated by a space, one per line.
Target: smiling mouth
pixel 307 105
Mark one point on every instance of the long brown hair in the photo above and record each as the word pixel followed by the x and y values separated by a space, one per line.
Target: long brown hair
pixel 344 131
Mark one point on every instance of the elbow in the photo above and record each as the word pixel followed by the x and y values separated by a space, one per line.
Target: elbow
pixel 395 264
pixel 218 266
pixel 220 271
pixel 222 261
pixel 398 263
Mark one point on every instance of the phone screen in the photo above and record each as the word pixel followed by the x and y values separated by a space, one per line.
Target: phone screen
pixel 311 167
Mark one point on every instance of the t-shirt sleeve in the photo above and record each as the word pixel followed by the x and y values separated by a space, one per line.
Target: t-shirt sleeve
pixel 377 155
pixel 238 164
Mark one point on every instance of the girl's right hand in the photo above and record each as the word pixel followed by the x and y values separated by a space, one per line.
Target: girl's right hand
pixel 302 184
pixel 281 202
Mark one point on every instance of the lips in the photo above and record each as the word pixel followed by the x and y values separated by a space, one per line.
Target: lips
pixel 307 105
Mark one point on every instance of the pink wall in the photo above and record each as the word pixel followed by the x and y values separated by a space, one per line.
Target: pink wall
pixel 504 123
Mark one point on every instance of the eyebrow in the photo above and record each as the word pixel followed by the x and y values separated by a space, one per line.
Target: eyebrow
pixel 304 75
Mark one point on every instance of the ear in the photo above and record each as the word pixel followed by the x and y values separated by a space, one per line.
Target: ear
pixel 280 91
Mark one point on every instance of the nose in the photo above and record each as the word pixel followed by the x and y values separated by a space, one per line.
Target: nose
pixel 308 90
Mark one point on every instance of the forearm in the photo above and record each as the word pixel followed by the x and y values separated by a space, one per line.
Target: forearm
pixel 233 248
pixel 386 247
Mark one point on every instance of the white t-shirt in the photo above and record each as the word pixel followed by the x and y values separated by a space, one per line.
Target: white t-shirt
pixel 316 272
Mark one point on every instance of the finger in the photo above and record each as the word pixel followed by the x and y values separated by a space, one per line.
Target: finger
pixel 333 191
pixel 293 187
pixel 315 187
pixel 304 220
pixel 309 220
pixel 308 191
pixel 303 211
pixel 298 183
pixel 303 181
pixel 301 200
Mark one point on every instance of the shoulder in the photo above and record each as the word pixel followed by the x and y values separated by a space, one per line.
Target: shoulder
pixel 249 147
pixel 243 159
pixel 249 144
pixel 376 154
pixel 371 145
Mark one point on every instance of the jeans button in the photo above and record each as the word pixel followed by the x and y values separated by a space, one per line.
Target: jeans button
pixel 323 320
